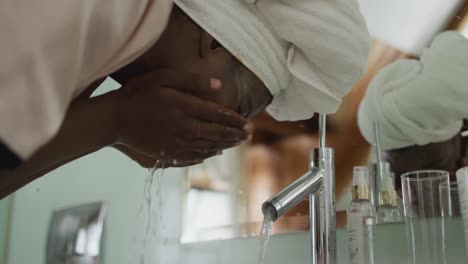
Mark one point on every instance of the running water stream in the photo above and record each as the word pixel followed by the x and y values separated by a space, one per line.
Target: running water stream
pixel 149 196
pixel 265 236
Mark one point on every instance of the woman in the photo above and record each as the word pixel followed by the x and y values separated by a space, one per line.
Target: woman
pixel 185 96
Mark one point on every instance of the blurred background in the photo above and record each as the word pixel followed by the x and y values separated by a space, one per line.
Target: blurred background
pixel 279 151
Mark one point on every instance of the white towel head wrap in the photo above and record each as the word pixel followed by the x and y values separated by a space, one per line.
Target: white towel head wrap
pixel 308 53
pixel 419 102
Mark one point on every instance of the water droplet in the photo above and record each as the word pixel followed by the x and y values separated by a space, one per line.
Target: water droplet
pixel 166 240
pixel 38 189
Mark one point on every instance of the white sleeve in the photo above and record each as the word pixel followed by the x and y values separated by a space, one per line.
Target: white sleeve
pixel 51 48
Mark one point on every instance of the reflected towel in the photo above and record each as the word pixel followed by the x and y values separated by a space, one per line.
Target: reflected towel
pixel 420 102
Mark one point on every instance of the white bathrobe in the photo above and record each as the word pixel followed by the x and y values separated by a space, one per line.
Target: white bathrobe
pixel 51 49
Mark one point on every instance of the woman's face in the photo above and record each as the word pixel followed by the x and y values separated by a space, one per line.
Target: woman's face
pixel 186 47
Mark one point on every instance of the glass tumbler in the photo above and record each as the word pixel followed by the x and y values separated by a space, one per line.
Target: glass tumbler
pixel 462 179
pixel 454 244
pixel 423 215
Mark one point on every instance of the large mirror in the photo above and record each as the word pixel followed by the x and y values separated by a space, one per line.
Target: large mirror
pixel 239 183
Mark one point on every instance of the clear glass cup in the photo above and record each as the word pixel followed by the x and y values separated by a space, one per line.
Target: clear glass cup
pixel 423 215
pixel 462 179
pixel 449 199
pixel 454 244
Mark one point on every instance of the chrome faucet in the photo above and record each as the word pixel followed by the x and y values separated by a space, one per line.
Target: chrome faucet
pixel 319 184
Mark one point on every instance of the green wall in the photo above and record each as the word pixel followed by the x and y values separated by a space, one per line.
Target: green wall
pixel 4 212
pixel 104 176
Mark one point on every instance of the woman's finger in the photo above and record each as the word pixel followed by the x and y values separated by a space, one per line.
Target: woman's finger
pixel 210 112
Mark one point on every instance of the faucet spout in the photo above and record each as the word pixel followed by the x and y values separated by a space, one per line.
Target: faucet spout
pixel 319 184
pixel 293 194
